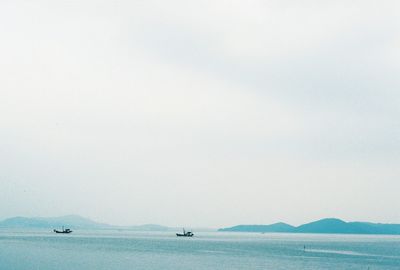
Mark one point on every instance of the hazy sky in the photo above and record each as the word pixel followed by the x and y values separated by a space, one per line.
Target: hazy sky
pixel 200 113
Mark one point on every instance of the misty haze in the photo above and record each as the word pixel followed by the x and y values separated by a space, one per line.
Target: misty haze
pixel 199 134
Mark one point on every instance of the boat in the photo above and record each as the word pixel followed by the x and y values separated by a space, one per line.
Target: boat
pixel 185 233
pixel 63 230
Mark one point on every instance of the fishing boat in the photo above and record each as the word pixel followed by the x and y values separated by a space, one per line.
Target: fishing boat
pixel 185 233
pixel 63 230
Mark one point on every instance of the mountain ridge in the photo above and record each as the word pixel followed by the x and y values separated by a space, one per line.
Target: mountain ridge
pixel 72 222
pixel 326 225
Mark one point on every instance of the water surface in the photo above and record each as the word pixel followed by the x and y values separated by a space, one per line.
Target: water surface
pixel 113 250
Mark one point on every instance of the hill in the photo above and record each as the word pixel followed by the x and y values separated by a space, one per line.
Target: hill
pixel 328 225
pixel 72 222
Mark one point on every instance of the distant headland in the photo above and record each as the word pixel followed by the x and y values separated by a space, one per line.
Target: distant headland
pixel 73 222
pixel 323 226
pixel 327 225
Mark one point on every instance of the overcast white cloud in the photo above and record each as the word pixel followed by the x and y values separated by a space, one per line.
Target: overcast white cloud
pixel 205 113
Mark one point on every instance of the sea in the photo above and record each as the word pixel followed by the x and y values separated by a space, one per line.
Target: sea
pixel 112 250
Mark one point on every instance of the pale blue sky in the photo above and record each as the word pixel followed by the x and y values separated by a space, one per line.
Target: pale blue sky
pixel 200 113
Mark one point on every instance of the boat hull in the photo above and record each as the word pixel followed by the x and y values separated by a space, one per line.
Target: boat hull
pixel 184 235
pixel 62 231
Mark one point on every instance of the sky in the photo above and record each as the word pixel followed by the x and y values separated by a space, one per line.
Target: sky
pixel 200 113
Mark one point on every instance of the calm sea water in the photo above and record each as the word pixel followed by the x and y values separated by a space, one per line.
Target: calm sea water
pixel 131 250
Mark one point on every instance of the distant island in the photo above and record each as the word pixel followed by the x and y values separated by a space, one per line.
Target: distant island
pixel 73 222
pixel 328 225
